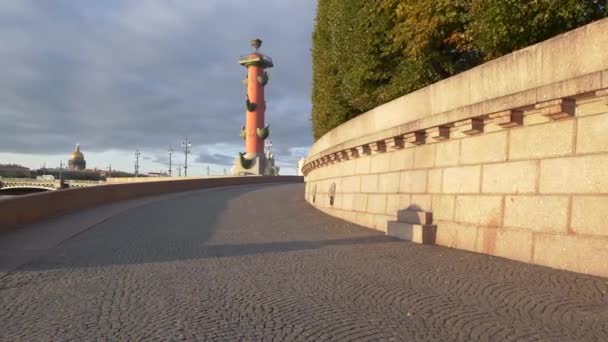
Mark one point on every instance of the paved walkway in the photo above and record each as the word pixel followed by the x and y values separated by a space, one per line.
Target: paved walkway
pixel 258 263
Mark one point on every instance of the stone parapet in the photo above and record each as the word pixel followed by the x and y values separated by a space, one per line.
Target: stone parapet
pixel 25 209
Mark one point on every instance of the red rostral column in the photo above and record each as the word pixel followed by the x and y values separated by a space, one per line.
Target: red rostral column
pixel 255 131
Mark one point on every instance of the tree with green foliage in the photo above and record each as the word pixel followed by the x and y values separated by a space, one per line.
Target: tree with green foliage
pixel 368 52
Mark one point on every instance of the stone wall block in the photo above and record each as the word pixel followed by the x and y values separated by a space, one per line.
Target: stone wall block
pixel 402 160
pixel 421 202
pixel 396 202
pixel 389 182
pixel 351 184
pixel 435 178
pixel 510 178
pixel 590 215
pixel 546 140
pixel 576 175
pixel 592 134
pixel 484 148
pixel 376 204
pixel 479 210
pixel 443 207
pixel 363 165
pixel 424 156
pixel 360 202
pixel 464 179
pixel 506 243
pixel 381 163
pixel 369 183
pixel 537 213
pixel 413 181
pixel 447 153
pixel 574 253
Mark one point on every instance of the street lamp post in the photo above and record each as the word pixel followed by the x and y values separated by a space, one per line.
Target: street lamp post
pixel 60 170
pixel 186 145
pixel 170 154
pixel 137 154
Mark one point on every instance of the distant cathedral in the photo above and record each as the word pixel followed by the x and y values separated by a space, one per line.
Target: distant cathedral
pixel 77 162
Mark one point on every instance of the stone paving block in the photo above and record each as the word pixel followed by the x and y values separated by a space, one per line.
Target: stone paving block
pixel 545 140
pixel 389 182
pixel 484 148
pixel 479 210
pixel 435 178
pixel 590 215
pixel 592 134
pixel 448 153
pixel 576 175
pixel 464 179
pixel 413 181
pixel 424 156
pixel 537 213
pixel 511 178
pixel 443 207
pixel 570 252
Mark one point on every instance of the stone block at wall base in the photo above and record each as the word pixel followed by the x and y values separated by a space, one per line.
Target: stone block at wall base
pixel 417 233
pixel 415 217
pixel 506 243
pixel 457 235
pixel 573 253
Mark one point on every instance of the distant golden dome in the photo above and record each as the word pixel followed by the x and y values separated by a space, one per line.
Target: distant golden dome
pixel 76 161
pixel 76 155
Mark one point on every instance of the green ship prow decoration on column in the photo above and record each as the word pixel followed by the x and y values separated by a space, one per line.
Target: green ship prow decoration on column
pixel 263 133
pixel 245 163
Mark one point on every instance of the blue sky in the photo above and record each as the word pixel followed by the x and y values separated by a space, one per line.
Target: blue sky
pixel 116 76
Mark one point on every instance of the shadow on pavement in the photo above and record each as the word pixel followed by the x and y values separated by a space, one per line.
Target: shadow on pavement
pixel 180 227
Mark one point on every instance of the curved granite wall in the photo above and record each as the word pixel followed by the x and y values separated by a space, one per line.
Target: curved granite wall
pixel 511 157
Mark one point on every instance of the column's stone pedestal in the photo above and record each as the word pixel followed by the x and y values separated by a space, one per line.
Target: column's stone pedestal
pixel 254 165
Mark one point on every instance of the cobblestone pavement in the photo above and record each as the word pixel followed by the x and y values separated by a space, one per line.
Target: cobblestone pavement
pixel 258 263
